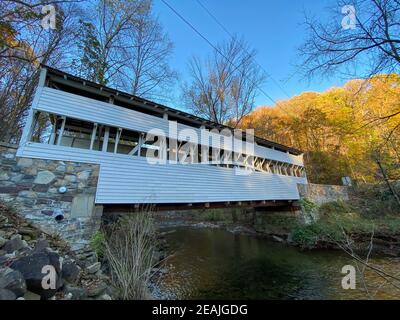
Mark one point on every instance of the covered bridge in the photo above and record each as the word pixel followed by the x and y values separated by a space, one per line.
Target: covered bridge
pixel 148 152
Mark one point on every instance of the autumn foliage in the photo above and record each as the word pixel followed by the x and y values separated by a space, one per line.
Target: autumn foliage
pixel 343 131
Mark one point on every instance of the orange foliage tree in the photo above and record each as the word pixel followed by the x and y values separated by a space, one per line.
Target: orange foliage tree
pixel 341 131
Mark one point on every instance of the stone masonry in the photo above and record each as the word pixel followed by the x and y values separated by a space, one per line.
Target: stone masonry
pixel 32 186
pixel 320 193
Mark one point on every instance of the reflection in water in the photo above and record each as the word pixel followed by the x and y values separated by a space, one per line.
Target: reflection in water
pixel 215 264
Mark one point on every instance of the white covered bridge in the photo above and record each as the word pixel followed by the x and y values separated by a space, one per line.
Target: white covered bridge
pixel 89 123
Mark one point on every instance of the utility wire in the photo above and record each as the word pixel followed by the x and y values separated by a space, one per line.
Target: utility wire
pixel 212 45
pixel 232 37
pixel 219 51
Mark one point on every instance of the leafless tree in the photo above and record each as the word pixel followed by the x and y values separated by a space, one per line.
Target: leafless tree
pixel 24 45
pixel 123 45
pixel 102 38
pixel 224 87
pixel 147 72
pixel 373 42
pixel 364 264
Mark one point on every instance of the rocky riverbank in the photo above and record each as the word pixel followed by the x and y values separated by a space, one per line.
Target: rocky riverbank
pixel 26 254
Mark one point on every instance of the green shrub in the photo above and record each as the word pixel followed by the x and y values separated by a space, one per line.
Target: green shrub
pixel 215 215
pixel 310 235
pixel 335 207
pixel 307 205
pixel 98 243
pixel 305 236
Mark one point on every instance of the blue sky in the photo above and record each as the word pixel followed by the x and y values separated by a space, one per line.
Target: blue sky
pixel 273 27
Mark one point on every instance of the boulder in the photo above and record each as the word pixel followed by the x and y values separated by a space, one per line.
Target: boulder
pixel 15 244
pixel 31 296
pixel 105 297
pixel 3 260
pixel 26 231
pixel 2 242
pixel 97 289
pixel 74 293
pixel 93 268
pixel 7 295
pixel 70 271
pixel 12 280
pixel 31 267
pixel 41 245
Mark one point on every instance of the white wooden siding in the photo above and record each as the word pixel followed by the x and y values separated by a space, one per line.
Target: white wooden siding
pixel 129 179
pixel 75 106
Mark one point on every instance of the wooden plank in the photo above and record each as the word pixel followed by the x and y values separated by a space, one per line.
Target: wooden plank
pixel 105 139
pixel 93 137
pixel 60 134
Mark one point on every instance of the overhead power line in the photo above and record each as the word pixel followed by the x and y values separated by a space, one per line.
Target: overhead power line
pixel 212 45
pixel 232 37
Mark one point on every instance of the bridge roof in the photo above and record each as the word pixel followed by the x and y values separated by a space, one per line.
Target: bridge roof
pixel 101 92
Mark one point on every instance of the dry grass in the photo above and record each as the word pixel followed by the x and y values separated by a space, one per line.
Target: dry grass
pixel 130 249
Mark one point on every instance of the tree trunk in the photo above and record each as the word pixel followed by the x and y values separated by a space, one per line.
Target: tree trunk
pixel 388 182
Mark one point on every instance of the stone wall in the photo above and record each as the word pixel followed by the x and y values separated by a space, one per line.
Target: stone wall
pixel 320 193
pixel 32 187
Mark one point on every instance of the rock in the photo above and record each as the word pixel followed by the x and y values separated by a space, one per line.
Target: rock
pixel 75 293
pixel 93 268
pixel 277 239
pixel 3 220
pixel 41 245
pixel 3 260
pixel 44 177
pixel 60 168
pixel 31 296
pixel 105 297
pixel 27 194
pixel 12 280
pixel 25 162
pixel 9 155
pixel 17 178
pixel 2 242
pixel 70 178
pixel 40 188
pixel 68 296
pixel 97 289
pixel 7 295
pixel 28 232
pixel 4 176
pixel 14 244
pixel 83 175
pixel 31 267
pixel 70 271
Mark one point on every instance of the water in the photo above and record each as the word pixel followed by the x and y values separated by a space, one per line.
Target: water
pixel 216 264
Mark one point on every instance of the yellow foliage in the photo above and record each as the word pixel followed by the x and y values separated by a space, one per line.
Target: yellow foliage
pixel 339 130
